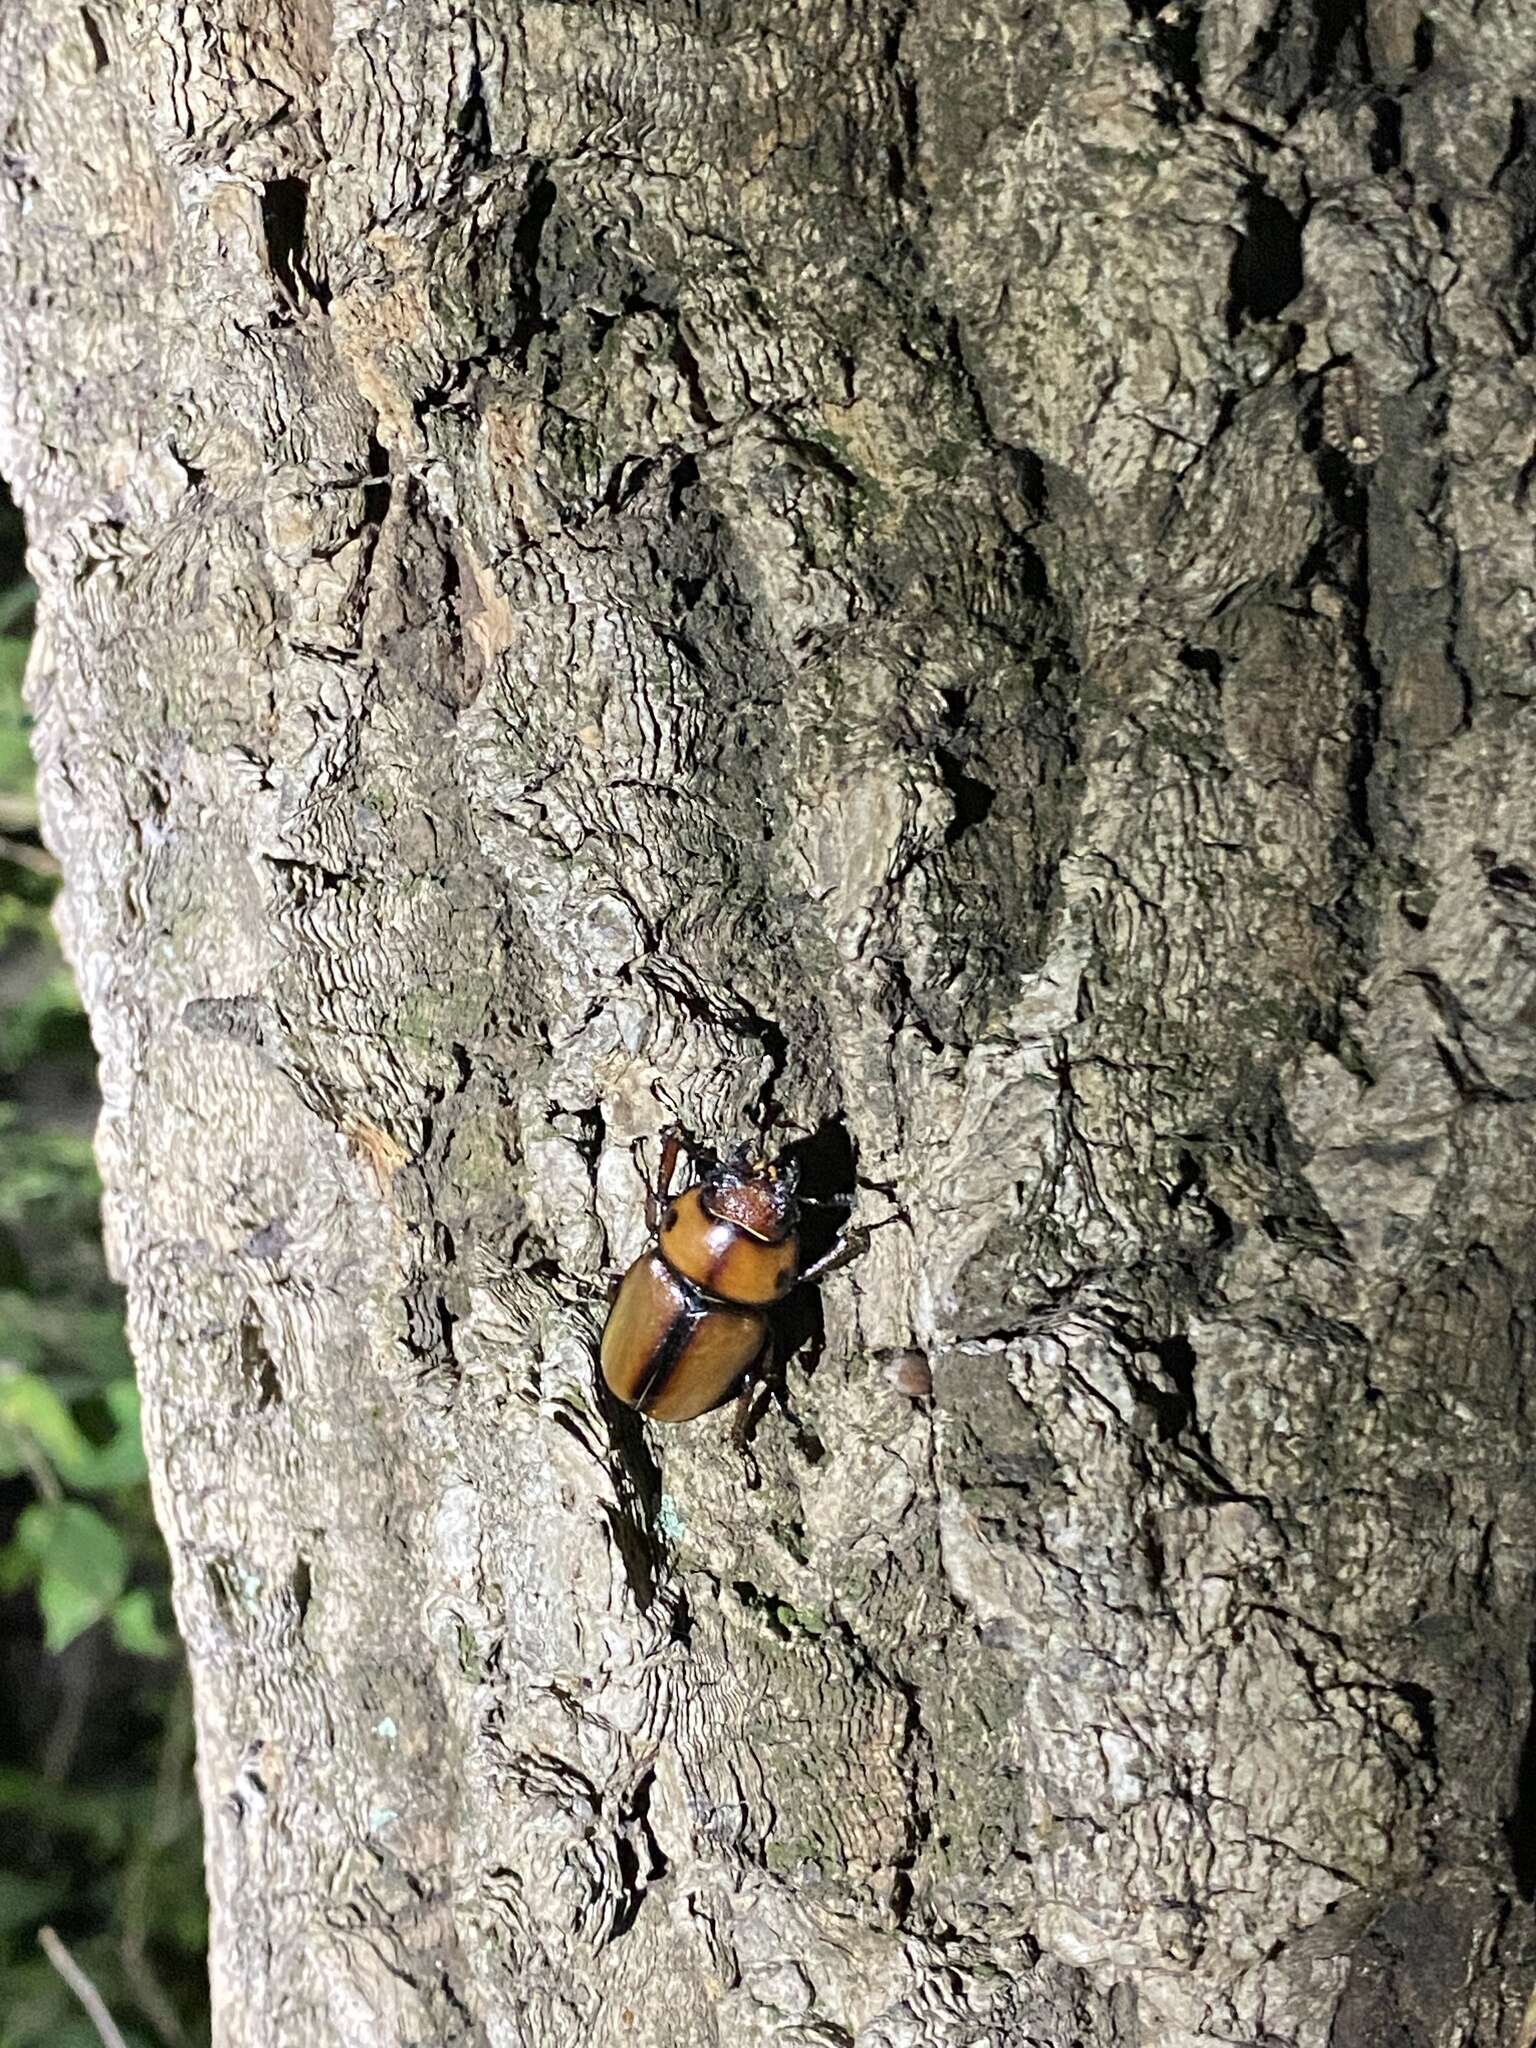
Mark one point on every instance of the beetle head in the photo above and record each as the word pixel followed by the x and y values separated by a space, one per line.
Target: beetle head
pixel 750 1189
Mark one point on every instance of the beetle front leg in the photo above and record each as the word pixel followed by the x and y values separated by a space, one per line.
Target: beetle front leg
pixel 675 1141
pixel 658 1192
pixel 850 1244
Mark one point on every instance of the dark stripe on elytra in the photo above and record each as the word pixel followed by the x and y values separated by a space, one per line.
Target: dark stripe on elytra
pixel 671 1347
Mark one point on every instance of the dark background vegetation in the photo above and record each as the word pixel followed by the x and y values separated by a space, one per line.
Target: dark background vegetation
pixel 98 1812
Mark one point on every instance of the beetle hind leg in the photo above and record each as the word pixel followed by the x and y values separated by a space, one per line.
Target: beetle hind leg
pixel 749 1410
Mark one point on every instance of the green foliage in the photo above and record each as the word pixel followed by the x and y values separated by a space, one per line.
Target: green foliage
pixel 134 1627
pixel 47 1018
pixel 99 1833
pixel 15 754
pixel 78 1348
pixel 77 1560
pixel 32 1414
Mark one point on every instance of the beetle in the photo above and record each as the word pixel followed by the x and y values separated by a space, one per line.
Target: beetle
pixel 690 1317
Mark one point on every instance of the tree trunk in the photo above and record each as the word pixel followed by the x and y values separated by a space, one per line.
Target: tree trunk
pixel 952 575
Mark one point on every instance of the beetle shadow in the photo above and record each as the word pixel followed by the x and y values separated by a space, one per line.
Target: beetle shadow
pixel 638 1483
pixel 825 1163
pixel 826 1166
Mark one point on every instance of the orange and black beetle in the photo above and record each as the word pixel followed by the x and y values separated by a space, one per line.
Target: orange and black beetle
pixel 689 1318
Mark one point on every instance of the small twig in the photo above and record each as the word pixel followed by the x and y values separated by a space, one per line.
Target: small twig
pixel 77 1673
pixel 82 1987
pixel 172 1775
pixel 21 1444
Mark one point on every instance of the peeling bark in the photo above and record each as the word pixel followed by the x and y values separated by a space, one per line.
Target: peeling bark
pixel 956 575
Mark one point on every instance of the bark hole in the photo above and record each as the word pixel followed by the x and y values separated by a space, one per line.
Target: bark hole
pixel 1515 181
pixel 1175 34
pixel 1267 269
pixel 538 205
pixel 95 38
pixel 640 1809
pixel 825 1164
pixel 222 1575
pixel 635 1553
pixel 1387 142
pixel 972 798
pixel 376 493
pixel 284 214
pixel 1172 1405
pixel 1202 661
pixel 258 1364
pixel 1341 38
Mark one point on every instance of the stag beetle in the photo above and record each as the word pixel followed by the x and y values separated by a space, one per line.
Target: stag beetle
pixel 690 1318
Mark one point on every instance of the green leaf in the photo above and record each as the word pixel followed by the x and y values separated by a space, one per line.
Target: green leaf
pixel 68 1610
pixel 47 1018
pixel 81 1564
pixel 119 1462
pixel 97 1342
pixel 44 1168
pixel 16 769
pixel 16 1568
pixel 135 1627
pixel 15 603
pixel 24 1901
pixel 77 1348
pixel 30 1407
pixel 24 898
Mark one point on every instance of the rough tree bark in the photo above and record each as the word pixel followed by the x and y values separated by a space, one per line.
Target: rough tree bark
pixel 956 573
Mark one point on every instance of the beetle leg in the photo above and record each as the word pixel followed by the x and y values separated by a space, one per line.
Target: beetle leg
pixel 849 1245
pixel 743 1415
pixel 652 1207
pixel 657 1191
pixel 753 1382
pixel 672 1144
pixel 703 1156
pixel 675 1141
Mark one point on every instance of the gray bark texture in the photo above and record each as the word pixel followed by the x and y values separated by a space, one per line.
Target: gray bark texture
pixel 958 574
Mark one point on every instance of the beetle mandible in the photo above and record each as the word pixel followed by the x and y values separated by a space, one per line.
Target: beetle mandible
pixel 690 1316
